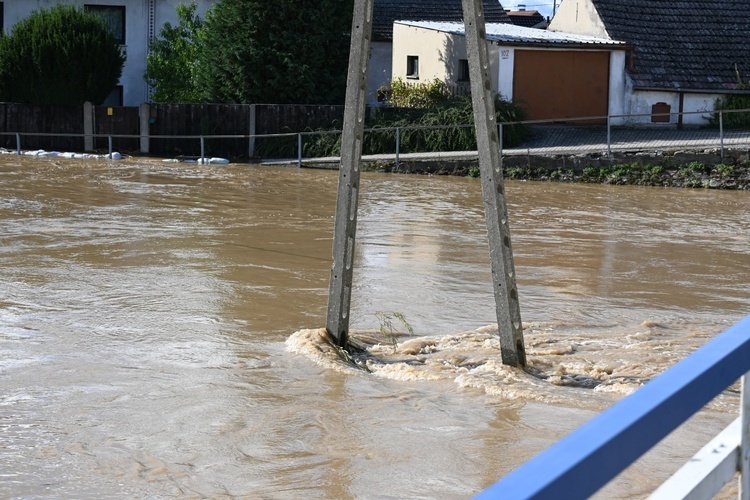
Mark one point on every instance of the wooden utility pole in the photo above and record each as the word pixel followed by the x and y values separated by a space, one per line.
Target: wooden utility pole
pixel 488 142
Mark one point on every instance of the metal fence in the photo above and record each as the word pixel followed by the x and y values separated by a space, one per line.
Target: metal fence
pixel 603 135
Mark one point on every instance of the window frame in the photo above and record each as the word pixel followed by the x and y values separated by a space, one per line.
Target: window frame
pixel 101 9
pixel 463 75
pixel 115 98
pixel 412 67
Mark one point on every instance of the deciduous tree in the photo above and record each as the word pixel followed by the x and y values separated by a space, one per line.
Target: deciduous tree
pixel 172 63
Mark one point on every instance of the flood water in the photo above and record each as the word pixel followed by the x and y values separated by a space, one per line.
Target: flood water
pixel 148 313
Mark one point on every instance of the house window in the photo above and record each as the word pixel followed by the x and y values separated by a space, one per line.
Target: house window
pixel 463 70
pixel 412 66
pixel 113 17
pixel 114 98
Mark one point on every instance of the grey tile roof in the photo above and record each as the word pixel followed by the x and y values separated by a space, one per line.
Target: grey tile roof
pixel 686 44
pixel 526 18
pixel 387 11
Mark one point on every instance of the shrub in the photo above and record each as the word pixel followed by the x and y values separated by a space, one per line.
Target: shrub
pixel 402 94
pixel 62 56
pixel 449 128
pixel 731 103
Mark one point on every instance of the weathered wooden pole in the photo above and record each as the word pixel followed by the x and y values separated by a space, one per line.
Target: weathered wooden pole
pixel 345 225
pixel 488 143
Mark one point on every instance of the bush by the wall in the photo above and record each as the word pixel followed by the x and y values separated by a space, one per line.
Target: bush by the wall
pixel 447 126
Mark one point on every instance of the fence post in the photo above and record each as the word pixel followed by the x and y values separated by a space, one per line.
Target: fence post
pixel 500 141
pixel 251 141
pixel 744 465
pixel 721 133
pixel 398 145
pixel 109 143
pixel 299 150
pixel 88 127
pixel 144 115
pixel 609 137
pixel 203 149
pixel 18 143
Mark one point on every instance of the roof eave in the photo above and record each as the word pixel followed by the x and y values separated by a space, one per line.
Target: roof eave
pixel 563 45
pixel 683 90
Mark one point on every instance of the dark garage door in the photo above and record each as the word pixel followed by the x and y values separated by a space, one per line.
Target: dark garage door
pixel 561 84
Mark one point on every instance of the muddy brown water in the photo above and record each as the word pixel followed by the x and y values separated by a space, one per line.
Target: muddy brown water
pixel 148 313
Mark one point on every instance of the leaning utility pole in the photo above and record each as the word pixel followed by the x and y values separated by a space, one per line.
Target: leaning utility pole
pixel 491 172
pixel 488 143
pixel 345 226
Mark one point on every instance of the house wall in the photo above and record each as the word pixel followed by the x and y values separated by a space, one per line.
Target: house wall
pixel 640 102
pixel 439 54
pixel 379 69
pixel 430 46
pixel 135 90
pixel 618 81
pixel 506 62
pixel 580 17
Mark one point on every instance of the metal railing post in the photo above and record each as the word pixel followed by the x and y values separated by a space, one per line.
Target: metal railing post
pixel 299 150
pixel 203 149
pixel 609 137
pixel 721 133
pixel 500 141
pixel 744 465
pixel 18 143
pixel 398 145
pixel 109 142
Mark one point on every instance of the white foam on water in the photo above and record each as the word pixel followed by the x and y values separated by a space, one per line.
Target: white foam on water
pixel 562 368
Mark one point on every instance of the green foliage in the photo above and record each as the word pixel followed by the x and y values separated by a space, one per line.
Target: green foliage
pixel 691 170
pixel 286 51
pixel 61 56
pixel 731 118
pixel 730 104
pixel 389 331
pixel 402 94
pixel 447 126
pixel 724 170
pixel 172 64
pixel 623 174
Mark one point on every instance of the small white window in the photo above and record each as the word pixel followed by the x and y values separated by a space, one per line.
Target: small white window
pixel 412 66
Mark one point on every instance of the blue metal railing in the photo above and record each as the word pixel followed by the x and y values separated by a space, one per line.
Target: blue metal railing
pixel 587 459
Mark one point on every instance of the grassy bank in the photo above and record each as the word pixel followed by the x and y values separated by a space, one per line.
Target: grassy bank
pixel 685 170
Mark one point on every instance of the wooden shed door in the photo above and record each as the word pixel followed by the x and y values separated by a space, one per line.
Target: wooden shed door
pixel 561 84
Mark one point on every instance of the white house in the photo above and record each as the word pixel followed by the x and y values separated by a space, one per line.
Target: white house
pixel 684 55
pixel 553 75
pixel 388 11
pixel 133 22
